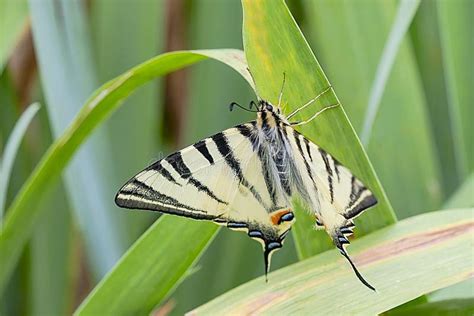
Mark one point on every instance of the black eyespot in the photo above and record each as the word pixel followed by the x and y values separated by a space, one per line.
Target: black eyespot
pixel 269 107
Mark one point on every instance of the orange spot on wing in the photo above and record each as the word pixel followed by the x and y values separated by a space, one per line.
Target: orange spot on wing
pixel 275 216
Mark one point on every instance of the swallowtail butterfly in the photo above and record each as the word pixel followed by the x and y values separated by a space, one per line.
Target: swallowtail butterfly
pixel 245 178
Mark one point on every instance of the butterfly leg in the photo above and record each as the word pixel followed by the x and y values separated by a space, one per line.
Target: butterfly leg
pixel 309 102
pixel 281 91
pixel 319 223
pixel 315 115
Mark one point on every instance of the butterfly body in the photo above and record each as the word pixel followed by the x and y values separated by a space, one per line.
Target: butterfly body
pixel 246 177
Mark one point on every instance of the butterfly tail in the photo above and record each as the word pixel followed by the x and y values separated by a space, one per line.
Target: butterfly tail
pixel 340 240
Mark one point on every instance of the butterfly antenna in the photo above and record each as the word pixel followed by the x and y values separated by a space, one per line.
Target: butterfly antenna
pixel 253 105
pixel 231 107
pixel 357 273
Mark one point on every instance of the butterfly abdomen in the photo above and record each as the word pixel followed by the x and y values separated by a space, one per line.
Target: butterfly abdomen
pixel 276 157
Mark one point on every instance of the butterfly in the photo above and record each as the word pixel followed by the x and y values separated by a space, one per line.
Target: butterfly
pixel 246 176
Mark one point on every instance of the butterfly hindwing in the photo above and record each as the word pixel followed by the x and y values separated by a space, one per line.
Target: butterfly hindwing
pixel 335 194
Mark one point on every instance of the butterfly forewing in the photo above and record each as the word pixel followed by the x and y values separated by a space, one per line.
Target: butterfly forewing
pixel 219 178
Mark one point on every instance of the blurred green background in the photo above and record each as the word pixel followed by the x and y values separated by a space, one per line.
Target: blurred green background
pixel 59 52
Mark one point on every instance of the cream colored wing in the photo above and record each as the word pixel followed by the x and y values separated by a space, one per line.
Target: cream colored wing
pixel 220 179
pixel 335 194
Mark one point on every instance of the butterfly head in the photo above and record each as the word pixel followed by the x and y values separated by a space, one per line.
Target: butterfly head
pixel 270 115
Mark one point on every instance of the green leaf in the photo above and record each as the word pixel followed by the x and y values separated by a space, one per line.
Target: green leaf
pixel 463 197
pixel 405 13
pixel 63 47
pixel 22 214
pixel 50 276
pixel 43 276
pixel 151 268
pixel 8 111
pixel 176 244
pixel 274 45
pixel 351 49
pixel 51 269
pixel 462 290
pixel 13 16
pixel 403 261
pixel 427 50
pixel 11 149
pixel 452 307
pixel 140 39
pixel 456 24
pixel 232 258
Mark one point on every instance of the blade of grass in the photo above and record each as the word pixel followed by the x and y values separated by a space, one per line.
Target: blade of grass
pixel 50 253
pixel 461 290
pixel 463 197
pixel 351 49
pixel 22 214
pixel 42 287
pixel 155 285
pixel 456 25
pixel 232 258
pixel 405 13
pixel 445 307
pixel 134 27
pixel 63 47
pixel 9 115
pixel 151 269
pixel 427 49
pixel 10 152
pixel 404 261
pixel 13 16
pixel 8 110
pixel 274 45
pixel 51 266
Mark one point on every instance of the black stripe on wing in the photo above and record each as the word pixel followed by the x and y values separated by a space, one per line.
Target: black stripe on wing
pixel 227 153
pixel 297 135
pixel 359 202
pixel 249 131
pixel 367 202
pixel 178 164
pixel 326 158
pixel 158 167
pixel 308 149
pixel 137 195
pixel 202 148
pixel 336 169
